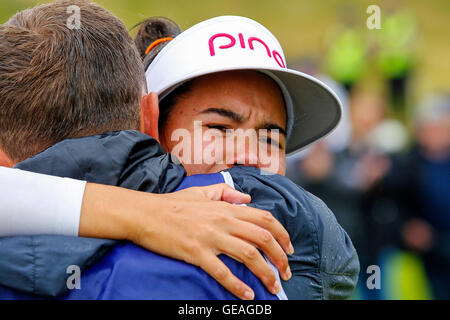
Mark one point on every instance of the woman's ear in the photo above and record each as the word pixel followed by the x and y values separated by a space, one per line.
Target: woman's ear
pixel 150 115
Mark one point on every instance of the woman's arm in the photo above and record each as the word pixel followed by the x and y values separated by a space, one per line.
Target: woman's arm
pixel 194 225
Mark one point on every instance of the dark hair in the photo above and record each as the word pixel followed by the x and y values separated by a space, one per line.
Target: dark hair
pixel 58 82
pixel 149 31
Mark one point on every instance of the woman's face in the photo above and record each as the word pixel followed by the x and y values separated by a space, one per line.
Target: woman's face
pixel 225 119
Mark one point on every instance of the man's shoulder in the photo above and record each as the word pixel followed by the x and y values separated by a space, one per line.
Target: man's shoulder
pixel 302 214
pixel 262 185
pixel 128 158
pixel 321 245
pixel 99 149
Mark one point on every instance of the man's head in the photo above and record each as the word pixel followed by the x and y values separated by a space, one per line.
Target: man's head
pixel 58 82
pixel 432 126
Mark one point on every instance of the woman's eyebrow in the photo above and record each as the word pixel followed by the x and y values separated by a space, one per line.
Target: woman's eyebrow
pixel 225 113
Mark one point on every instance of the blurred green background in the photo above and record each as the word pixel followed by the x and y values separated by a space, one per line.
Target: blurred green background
pixel 300 25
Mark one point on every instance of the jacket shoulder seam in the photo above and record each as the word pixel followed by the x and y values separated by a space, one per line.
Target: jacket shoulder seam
pixel 33 257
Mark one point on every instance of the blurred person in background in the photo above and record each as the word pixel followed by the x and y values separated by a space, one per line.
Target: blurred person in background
pixel 340 137
pixel 313 167
pixel 419 183
pixel 349 178
pixel 395 53
pixel 345 60
pixel 330 168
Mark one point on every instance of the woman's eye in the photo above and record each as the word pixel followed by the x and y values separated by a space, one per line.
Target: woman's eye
pixel 217 127
pixel 271 141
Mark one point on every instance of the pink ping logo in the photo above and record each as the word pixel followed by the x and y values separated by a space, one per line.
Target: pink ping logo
pixel 271 54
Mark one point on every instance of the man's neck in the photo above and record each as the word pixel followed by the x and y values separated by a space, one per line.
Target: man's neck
pixel 5 161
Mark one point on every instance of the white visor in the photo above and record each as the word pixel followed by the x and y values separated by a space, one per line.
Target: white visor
pixel 236 43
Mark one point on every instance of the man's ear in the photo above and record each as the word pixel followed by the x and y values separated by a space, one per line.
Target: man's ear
pixel 150 115
pixel 4 160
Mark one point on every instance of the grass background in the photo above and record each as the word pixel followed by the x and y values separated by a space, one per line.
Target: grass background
pixel 300 25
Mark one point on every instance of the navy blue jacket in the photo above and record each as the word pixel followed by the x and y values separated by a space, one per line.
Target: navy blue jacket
pixel 324 265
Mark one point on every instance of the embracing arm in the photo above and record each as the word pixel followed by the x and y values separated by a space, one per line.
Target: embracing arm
pixel 194 225
pixel 161 223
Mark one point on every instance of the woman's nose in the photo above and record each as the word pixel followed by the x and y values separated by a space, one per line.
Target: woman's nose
pixel 244 153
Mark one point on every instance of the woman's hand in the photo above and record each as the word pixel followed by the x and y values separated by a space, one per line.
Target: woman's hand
pixel 194 225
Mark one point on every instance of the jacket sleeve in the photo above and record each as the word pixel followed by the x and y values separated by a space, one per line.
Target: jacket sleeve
pixel 38 264
pixel 339 263
pixel 325 264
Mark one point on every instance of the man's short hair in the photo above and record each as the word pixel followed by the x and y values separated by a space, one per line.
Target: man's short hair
pixel 58 82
